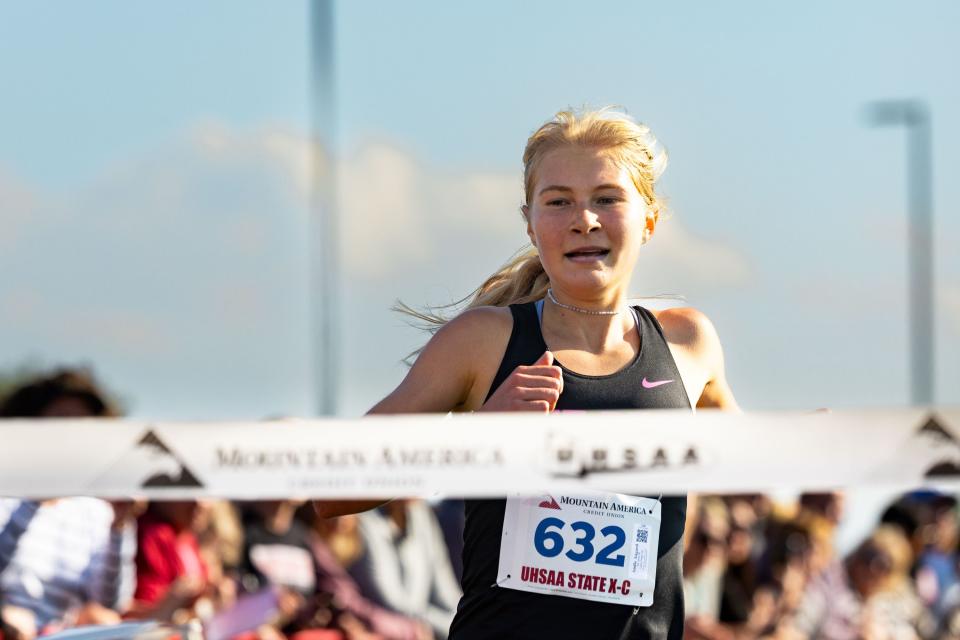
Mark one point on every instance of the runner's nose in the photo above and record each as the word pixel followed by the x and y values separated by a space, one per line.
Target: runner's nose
pixel 584 220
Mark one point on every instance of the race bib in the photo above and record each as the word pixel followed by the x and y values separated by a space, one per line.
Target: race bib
pixel 592 546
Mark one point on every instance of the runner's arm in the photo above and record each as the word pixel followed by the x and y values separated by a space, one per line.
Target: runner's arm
pixel 440 380
pixel 716 393
pixel 445 373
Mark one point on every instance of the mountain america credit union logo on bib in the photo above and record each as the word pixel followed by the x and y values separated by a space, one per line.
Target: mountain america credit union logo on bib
pixel 549 503
pixel 593 502
pixel 588 545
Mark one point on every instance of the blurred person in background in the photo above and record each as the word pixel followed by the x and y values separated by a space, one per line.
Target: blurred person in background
pixel 337 545
pixel 819 514
pixel 220 537
pixel 825 568
pixel 876 599
pixel 65 393
pixel 937 579
pixel 783 571
pixel 881 576
pixel 825 506
pixel 905 514
pixel 704 563
pixel 266 613
pixel 66 561
pixel 740 576
pixel 404 565
pixel 172 576
pixel 278 552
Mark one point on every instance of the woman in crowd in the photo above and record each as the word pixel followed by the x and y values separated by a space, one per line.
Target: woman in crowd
pixel 404 566
pixel 63 561
pixel 171 573
pixel 337 547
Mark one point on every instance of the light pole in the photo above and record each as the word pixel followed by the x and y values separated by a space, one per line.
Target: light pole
pixel 915 116
pixel 324 230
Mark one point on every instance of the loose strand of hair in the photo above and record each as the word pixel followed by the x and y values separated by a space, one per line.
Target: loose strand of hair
pixel 522 279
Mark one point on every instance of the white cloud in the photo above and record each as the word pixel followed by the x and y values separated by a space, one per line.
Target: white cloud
pixel 681 260
pixel 395 213
pixel 286 156
pixel 479 201
pixel 385 222
pixel 399 215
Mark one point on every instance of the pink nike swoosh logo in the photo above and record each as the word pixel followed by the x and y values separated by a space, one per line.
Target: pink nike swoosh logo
pixel 655 383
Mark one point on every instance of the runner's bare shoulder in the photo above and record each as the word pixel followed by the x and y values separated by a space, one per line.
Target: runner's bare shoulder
pixel 689 329
pixel 454 364
pixel 694 341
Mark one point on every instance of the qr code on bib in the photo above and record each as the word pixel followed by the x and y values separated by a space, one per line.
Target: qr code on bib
pixel 639 565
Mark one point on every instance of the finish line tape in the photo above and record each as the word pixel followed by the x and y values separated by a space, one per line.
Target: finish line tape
pixel 482 454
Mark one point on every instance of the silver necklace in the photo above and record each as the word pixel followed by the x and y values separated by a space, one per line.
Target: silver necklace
pixel 592 312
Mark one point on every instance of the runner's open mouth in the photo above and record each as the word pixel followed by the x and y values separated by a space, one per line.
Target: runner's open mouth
pixel 587 252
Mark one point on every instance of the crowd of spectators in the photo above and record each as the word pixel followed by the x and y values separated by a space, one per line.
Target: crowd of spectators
pixel 753 568
pixel 758 569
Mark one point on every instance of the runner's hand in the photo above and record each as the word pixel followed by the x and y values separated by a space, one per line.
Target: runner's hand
pixel 536 387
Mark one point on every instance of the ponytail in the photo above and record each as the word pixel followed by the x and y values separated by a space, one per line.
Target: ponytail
pixel 520 280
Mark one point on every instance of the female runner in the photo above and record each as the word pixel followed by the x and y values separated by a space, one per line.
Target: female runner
pixel 552 330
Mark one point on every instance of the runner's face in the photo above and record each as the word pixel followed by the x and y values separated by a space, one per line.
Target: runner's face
pixel 586 219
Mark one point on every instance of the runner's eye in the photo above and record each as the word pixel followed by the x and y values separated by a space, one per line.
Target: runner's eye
pixel 608 200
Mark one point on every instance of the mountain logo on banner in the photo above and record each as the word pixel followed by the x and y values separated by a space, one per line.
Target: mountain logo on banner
pixel 170 470
pixel 150 464
pixel 936 436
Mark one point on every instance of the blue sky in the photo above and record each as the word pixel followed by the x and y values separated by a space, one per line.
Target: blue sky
pixel 154 187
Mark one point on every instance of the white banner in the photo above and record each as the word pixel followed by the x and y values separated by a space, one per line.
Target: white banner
pixel 482 454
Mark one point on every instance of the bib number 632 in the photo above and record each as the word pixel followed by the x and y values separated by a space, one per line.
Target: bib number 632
pixel 548 541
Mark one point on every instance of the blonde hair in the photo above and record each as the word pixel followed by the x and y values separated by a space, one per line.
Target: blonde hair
pixel 890 541
pixel 629 144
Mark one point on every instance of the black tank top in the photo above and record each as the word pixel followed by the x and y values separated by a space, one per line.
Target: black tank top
pixel 487 611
